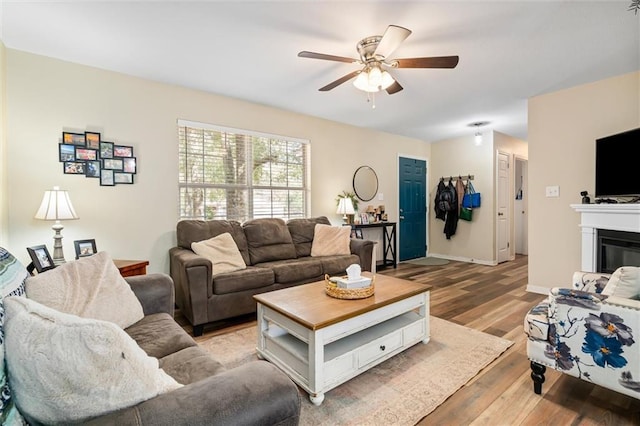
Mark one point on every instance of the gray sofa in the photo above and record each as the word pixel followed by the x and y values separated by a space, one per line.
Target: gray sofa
pixel 251 394
pixel 277 255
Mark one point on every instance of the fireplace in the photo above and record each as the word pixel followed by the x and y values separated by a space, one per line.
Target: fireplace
pixel 596 220
pixel 617 248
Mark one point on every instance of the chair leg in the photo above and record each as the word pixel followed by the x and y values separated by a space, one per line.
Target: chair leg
pixel 537 374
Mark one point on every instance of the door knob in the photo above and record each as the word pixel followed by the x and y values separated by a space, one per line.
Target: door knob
pixel 500 214
pixel 401 217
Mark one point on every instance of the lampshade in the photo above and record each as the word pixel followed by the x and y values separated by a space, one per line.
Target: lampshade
pixel 56 205
pixel 345 206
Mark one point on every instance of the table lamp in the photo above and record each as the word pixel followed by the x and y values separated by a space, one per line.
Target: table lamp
pixel 56 205
pixel 345 207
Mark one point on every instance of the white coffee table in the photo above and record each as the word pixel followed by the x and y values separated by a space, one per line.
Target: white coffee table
pixel 321 342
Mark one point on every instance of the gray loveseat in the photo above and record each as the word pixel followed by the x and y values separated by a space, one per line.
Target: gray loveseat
pixel 254 393
pixel 277 255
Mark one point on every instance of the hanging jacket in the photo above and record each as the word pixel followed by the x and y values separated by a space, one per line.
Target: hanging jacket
pixel 451 221
pixel 441 213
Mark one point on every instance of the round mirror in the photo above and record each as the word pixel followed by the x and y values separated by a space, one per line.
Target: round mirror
pixel 365 183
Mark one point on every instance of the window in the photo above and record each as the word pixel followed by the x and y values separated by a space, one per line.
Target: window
pixel 239 175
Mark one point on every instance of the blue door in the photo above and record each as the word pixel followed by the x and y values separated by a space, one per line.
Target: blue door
pixel 413 208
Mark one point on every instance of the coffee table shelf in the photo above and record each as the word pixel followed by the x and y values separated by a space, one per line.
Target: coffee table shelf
pixel 319 358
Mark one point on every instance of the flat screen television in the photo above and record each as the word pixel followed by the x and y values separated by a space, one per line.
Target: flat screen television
pixel 617 164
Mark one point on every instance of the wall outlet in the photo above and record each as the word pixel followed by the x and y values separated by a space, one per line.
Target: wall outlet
pixel 552 191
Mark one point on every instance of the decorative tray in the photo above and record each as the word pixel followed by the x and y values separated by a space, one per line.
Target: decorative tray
pixel 332 289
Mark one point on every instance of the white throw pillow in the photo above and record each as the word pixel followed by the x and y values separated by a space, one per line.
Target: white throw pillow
pixel 624 282
pixel 222 251
pixel 90 287
pixel 331 240
pixel 64 368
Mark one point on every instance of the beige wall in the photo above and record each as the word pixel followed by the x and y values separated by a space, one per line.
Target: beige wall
pixel 46 96
pixel 473 241
pixel 4 209
pixel 563 127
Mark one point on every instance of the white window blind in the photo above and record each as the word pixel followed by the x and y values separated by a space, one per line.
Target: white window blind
pixel 238 175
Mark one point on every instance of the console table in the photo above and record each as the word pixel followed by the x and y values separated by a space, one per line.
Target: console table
pixel 388 241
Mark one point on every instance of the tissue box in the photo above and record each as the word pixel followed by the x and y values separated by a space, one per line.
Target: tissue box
pixel 357 283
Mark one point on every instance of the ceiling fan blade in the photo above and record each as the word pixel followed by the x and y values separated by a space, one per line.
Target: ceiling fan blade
pixel 313 55
pixel 339 81
pixel 391 39
pixel 394 88
pixel 433 62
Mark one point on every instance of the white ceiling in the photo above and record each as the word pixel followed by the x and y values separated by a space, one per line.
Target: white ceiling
pixel 509 51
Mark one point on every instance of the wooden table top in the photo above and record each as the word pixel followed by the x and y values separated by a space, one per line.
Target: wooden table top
pixel 311 307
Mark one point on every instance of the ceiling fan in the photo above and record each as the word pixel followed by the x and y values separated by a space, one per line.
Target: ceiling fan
pixel 374 54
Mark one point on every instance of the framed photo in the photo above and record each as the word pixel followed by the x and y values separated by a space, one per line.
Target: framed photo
pixel 364 218
pixel 359 234
pixel 106 178
pixel 119 177
pixel 41 258
pixel 92 140
pixel 122 151
pixel 85 248
pixel 92 168
pixel 86 154
pixel 129 165
pixel 67 152
pixel 74 167
pixel 112 163
pixel 73 138
pixel 106 149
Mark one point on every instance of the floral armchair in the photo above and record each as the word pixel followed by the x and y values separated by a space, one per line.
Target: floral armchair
pixel 589 331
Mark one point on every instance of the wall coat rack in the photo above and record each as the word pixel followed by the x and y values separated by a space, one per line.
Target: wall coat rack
pixel 462 177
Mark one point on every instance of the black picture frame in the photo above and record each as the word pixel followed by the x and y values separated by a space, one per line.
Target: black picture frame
pixel 106 149
pixel 92 169
pixel 66 152
pixel 86 154
pixel 106 178
pixel 74 167
pixel 73 138
pixel 85 248
pixel 92 140
pixel 359 234
pixel 112 164
pixel 123 151
pixel 122 178
pixel 41 258
pixel 130 165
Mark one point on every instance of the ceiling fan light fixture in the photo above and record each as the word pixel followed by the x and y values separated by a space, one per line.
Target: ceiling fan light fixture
pixel 362 82
pixel 373 80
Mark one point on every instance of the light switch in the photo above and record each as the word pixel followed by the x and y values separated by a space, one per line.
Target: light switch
pixel 552 191
pixel 380 196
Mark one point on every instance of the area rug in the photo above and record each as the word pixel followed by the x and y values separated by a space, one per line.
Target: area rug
pixel 428 261
pixel 399 391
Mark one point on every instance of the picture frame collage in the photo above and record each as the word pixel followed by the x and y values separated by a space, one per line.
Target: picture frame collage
pixel 87 154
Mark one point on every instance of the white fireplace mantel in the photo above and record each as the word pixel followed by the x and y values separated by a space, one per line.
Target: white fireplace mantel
pixel 616 217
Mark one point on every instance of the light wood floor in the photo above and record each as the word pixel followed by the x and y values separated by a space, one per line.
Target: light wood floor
pixel 493 299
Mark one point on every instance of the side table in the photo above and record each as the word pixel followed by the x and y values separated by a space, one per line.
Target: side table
pixel 130 268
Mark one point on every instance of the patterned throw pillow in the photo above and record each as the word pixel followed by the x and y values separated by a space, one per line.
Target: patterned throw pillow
pixel 12 278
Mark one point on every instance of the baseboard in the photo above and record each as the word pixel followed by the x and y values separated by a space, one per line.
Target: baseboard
pixel 464 259
pixel 537 289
